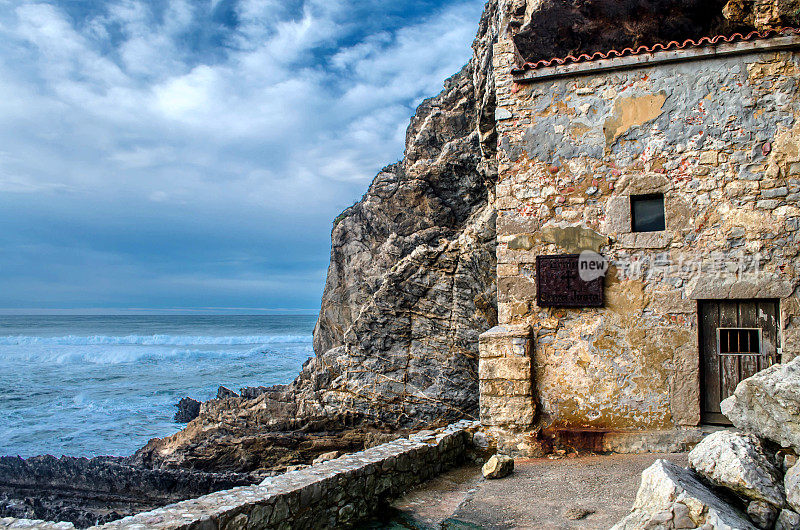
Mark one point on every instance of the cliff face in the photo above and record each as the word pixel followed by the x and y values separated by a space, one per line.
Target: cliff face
pixel 411 278
pixel 410 284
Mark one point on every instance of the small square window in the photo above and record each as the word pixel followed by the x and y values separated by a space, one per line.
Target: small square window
pixel 739 341
pixel 647 213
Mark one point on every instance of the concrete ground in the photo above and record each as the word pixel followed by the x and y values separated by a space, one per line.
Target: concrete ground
pixel 591 492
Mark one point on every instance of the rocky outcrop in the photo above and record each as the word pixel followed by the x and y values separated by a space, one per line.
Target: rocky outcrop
pixel 763 14
pixel 767 404
pixel 739 463
pixel 224 392
pixel 411 279
pixel 86 491
pixel 265 433
pixel 673 497
pixel 188 409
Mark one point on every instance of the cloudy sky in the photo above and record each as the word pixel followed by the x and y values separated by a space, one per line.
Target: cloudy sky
pixel 192 154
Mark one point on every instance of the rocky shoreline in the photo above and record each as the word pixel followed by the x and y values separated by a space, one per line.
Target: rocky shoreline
pixel 90 491
pixel 87 491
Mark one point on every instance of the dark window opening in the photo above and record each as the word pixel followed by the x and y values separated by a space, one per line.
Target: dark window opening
pixel 647 213
pixel 739 341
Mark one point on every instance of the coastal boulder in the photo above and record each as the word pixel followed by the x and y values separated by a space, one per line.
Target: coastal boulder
pixel 224 392
pixel 738 462
pixel 673 497
pixel 498 466
pixel 768 404
pixel 188 409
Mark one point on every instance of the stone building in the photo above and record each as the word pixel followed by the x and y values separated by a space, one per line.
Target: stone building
pixel 676 172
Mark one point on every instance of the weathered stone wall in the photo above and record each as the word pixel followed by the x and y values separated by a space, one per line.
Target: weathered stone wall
pixel 720 139
pixel 334 494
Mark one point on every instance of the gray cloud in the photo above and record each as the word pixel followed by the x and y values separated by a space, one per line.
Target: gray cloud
pixel 141 165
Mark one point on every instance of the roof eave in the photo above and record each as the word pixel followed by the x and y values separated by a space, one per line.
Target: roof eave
pixel 783 42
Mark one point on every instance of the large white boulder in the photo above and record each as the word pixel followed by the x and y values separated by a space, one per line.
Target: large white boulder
pixel 738 462
pixel 768 404
pixel 673 497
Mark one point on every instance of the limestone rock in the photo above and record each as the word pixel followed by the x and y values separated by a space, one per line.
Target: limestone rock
pixel 225 392
pixel 411 280
pixel 763 14
pixel 498 466
pixel 664 488
pixel 252 392
pixel 762 514
pixel 788 461
pixel 788 520
pixel 188 409
pixel 738 462
pixel 324 457
pixel 768 404
pixel 792 484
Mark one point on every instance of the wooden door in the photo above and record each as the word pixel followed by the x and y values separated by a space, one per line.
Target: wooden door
pixel 737 339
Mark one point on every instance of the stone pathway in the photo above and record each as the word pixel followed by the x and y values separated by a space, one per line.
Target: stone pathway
pixel 592 492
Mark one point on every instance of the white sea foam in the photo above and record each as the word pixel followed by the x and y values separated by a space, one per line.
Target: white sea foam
pixel 121 355
pixel 154 340
pixel 88 386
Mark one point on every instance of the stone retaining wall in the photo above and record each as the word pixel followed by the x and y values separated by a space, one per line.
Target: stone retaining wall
pixel 334 494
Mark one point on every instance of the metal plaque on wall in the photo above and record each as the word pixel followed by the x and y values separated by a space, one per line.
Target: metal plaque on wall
pixel 559 283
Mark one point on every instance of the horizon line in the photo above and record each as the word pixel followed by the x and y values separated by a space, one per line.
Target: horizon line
pixel 33 311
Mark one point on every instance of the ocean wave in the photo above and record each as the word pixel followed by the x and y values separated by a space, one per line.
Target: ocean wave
pixel 154 340
pixel 124 355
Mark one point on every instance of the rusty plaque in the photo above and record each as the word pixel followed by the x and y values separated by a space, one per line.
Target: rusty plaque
pixel 559 284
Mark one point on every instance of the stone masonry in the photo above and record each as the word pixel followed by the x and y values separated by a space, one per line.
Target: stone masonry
pixel 716 132
pixel 505 378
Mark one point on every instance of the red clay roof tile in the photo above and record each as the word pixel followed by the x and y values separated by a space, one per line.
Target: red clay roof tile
pixel 672 45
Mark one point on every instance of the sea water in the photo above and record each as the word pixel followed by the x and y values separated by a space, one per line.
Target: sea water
pixel 105 385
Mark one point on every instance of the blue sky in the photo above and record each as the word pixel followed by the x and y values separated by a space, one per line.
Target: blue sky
pixel 186 154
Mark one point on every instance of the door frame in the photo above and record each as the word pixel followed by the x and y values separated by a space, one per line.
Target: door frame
pixel 713 418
